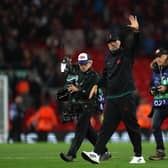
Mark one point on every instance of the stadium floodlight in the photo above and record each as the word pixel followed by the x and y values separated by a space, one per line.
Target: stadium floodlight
pixel 3 108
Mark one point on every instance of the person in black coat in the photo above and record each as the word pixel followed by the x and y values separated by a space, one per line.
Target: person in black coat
pixel 159 91
pixel 79 91
pixel 117 79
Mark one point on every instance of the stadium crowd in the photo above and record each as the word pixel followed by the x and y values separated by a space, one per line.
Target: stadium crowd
pixel 35 35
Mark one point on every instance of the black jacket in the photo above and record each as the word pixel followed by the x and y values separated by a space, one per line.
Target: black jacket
pixel 117 77
pixel 86 80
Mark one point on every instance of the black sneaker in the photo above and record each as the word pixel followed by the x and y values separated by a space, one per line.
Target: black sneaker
pixel 160 155
pixel 105 156
pixel 66 158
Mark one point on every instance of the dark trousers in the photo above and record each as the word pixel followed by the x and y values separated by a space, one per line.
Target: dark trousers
pixel 116 110
pixel 83 130
pixel 16 130
pixel 42 136
pixel 159 115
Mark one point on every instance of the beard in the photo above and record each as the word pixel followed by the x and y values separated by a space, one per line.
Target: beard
pixel 114 49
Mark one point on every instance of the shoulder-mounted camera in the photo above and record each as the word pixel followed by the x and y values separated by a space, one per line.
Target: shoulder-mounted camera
pixel 70 72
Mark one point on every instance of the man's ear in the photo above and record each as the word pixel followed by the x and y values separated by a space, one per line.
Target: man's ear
pixel 118 42
pixel 166 61
pixel 90 62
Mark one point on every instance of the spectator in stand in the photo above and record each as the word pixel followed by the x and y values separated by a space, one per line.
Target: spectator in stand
pixel 144 121
pixel 159 91
pixel 44 120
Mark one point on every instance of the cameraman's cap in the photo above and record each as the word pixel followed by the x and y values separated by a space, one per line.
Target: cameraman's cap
pixel 83 58
pixel 112 37
pixel 160 52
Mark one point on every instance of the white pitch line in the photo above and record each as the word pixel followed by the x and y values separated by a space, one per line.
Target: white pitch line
pixel 24 158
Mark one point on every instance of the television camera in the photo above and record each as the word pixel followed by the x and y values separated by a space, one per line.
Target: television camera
pixel 70 72
pixel 71 107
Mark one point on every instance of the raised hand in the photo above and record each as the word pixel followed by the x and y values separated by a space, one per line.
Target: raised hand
pixel 133 22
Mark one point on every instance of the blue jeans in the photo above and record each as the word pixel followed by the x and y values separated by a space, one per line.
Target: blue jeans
pixel 159 115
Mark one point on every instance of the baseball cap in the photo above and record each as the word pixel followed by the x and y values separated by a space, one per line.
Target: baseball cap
pixel 112 37
pixel 83 58
pixel 160 51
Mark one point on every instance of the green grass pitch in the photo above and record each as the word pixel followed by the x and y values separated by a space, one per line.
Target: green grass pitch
pixel 44 155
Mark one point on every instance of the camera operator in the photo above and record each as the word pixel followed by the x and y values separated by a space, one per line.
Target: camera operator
pixel 79 91
pixel 159 91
